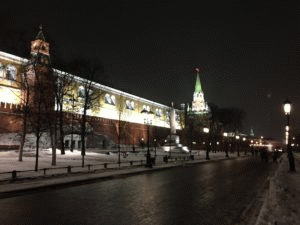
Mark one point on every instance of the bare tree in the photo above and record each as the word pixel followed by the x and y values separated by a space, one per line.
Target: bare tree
pixel 90 96
pixel 26 88
pixel 64 86
pixel 121 123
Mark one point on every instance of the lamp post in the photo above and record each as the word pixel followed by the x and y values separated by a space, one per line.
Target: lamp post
pixel 207 130
pixel 237 137
pixel 148 122
pixel 226 144
pixel 244 145
pixel 287 105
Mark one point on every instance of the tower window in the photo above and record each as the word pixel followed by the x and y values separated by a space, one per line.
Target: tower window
pixel 11 72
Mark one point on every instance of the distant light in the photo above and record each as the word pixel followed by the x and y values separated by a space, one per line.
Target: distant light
pixel 194 142
pixel 244 139
pixel 205 130
pixel 225 134
pixel 261 137
pixel 218 143
pixel 237 137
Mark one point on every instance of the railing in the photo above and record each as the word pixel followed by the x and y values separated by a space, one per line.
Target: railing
pixel 92 168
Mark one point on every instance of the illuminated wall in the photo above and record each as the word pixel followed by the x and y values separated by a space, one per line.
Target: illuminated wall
pixel 113 104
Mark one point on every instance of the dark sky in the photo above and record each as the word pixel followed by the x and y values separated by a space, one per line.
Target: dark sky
pixel 249 49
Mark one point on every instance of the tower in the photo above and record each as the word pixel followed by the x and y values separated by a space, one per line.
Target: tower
pixel 40 75
pixel 199 106
pixel 40 49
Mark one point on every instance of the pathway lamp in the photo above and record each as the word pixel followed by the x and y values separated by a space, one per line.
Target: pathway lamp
pixel 244 145
pixel 287 106
pixel 225 135
pixel 155 148
pixel 237 137
pixel 208 147
pixel 148 122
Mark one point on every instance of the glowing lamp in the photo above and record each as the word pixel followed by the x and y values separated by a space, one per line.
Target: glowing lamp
pixel 287 106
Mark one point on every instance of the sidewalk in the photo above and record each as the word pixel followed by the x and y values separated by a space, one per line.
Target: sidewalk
pixel 282 203
pixel 36 180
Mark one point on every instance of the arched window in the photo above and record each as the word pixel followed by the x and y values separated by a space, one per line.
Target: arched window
pixel 107 99
pixel 11 72
pixel 128 106
pixel 158 112
pixel 1 70
pixel 148 108
pixel 113 100
pixel 81 92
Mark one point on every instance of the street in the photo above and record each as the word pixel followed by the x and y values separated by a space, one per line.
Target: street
pixel 210 193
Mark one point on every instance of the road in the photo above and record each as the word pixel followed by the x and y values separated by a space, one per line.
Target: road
pixel 210 193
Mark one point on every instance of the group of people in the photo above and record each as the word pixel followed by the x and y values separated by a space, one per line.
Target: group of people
pixel 265 154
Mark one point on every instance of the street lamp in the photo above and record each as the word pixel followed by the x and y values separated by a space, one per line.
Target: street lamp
pixel 244 145
pixel 237 137
pixel 148 122
pixel 287 106
pixel 226 144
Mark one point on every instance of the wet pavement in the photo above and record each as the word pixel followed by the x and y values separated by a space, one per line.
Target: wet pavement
pixel 210 193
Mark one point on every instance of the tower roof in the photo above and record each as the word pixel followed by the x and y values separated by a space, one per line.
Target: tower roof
pixel 40 34
pixel 198 87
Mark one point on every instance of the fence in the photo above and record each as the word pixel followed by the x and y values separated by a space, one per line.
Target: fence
pixel 91 168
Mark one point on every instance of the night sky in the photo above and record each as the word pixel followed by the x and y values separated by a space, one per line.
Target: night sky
pixel 249 49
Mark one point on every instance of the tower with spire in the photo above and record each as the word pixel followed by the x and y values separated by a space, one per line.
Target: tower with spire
pixel 40 49
pixel 40 75
pixel 199 105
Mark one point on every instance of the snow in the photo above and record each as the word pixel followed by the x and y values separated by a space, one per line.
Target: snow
pixel 282 203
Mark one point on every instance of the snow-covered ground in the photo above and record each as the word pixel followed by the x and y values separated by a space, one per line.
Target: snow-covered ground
pixel 282 203
pixel 95 158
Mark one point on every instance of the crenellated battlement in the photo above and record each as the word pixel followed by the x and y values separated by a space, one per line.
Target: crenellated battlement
pixel 10 107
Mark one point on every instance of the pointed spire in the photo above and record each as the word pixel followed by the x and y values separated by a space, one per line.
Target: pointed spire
pixel 198 87
pixel 40 34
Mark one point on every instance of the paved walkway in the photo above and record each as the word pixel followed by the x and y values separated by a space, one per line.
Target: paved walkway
pixel 282 203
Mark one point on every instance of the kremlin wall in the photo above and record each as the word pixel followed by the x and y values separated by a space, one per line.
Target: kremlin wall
pixel 112 107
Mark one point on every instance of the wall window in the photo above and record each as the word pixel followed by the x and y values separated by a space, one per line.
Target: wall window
pixel 113 100
pixel 158 112
pixel 11 72
pixel 110 99
pixel 1 70
pixel 107 99
pixel 81 92
pixel 147 108
pixel 130 105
